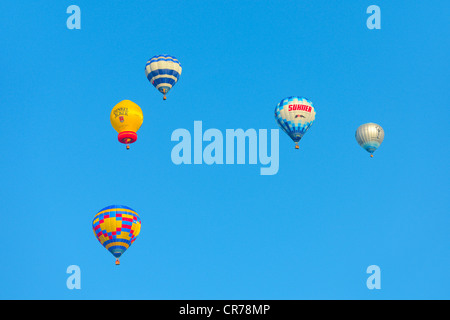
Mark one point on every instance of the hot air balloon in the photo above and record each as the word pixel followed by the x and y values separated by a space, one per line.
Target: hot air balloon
pixel 370 136
pixel 163 72
pixel 126 118
pixel 295 115
pixel 116 228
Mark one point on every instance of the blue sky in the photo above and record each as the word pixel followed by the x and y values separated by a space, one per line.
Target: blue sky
pixel 225 231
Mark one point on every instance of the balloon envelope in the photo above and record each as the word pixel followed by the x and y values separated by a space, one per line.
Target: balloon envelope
pixel 116 228
pixel 163 72
pixel 369 136
pixel 126 118
pixel 295 115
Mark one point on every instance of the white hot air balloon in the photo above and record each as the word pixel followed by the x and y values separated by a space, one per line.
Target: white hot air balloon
pixel 370 136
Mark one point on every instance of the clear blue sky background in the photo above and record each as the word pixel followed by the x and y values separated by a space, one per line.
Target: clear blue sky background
pixel 225 231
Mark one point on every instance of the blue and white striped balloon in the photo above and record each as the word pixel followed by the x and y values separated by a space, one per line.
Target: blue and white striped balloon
pixel 163 71
pixel 295 115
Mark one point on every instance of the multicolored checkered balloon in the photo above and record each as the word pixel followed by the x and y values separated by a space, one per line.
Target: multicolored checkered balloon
pixel 116 228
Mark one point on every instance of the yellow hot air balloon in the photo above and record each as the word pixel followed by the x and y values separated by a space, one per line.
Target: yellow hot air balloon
pixel 126 118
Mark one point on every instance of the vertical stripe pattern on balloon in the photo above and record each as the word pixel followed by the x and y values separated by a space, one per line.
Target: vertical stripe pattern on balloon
pixel 370 136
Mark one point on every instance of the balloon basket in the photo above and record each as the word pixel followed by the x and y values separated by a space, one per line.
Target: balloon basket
pixel 117 262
